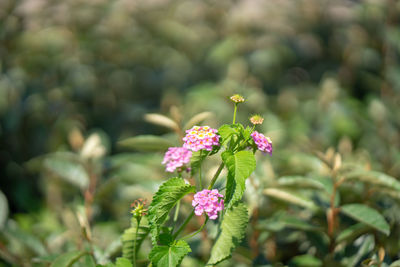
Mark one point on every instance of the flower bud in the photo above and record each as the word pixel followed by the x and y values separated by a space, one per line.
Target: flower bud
pixel 237 98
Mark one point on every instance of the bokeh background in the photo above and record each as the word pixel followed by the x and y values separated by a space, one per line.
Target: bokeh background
pixel 324 74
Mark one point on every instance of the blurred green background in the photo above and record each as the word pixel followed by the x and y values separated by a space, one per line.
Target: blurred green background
pixel 322 73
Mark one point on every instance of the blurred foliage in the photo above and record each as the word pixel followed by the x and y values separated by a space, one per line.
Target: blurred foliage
pixel 77 77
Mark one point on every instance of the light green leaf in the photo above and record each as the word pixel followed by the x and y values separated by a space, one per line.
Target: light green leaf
pixel 373 177
pixel 169 256
pixel 67 167
pixel 240 165
pixel 67 259
pixel 226 132
pixel 395 264
pixel 122 262
pixel 290 197
pixel 299 182
pixel 146 143
pixel 196 119
pixel 3 210
pixel 233 228
pixel 129 236
pixel 89 261
pixel 306 261
pixel 164 200
pixel 367 215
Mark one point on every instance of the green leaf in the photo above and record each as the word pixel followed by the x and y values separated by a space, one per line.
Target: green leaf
pixel 240 165
pixel 395 264
pixel 169 256
pixel 89 261
pixel 373 177
pixel 67 167
pixel 162 120
pixel 122 262
pixel 3 210
pixel 306 261
pixel 226 132
pixel 129 236
pixel 290 197
pixel 352 232
pixel 367 215
pixel 67 259
pixel 146 143
pixel 233 228
pixel 164 200
pixel 196 159
pixel 299 182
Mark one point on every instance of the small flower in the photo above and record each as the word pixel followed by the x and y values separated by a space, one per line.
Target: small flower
pixel 208 201
pixel 237 98
pixel 201 137
pixel 176 157
pixel 263 143
pixel 138 209
pixel 256 119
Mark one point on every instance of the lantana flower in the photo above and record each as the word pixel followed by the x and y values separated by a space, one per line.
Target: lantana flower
pixel 201 137
pixel 208 201
pixel 176 157
pixel 263 143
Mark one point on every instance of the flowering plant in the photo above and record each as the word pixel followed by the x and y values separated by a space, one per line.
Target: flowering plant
pixel 220 202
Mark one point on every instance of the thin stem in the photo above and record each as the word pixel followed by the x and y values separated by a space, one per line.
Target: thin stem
pixel 135 243
pixel 183 225
pixel 200 183
pixel 214 179
pixel 196 232
pixel 234 114
pixel 178 205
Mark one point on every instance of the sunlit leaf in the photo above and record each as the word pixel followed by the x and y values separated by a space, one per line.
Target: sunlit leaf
pixel 162 120
pixel 352 232
pixel 299 182
pixel 3 210
pixel 290 197
pixel 367 215
pixel 240 165
pixel 67 166
pixel 306 261
pixel 373 177
pixel 232 231
pixel 123 262
pixel 197 119
pixel 169 256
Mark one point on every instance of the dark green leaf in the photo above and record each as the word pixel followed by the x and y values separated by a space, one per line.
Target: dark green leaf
pixel 240 165
pixel 146 143
pixel 169 256
pixel 233 228
pixel 89 261
pixel 67 259
pixel 352 232
pixel 367 215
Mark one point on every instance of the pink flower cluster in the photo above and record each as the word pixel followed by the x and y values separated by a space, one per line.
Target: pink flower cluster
pixel 263 143
pixel 209 201
pixel 176 157
pixel 201 137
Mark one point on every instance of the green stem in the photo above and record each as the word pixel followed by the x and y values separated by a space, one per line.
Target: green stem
pixel 234 114
pixel 178 205
pixel 214 179
pixel 196 232
pixel 183 225
pixel 135 243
